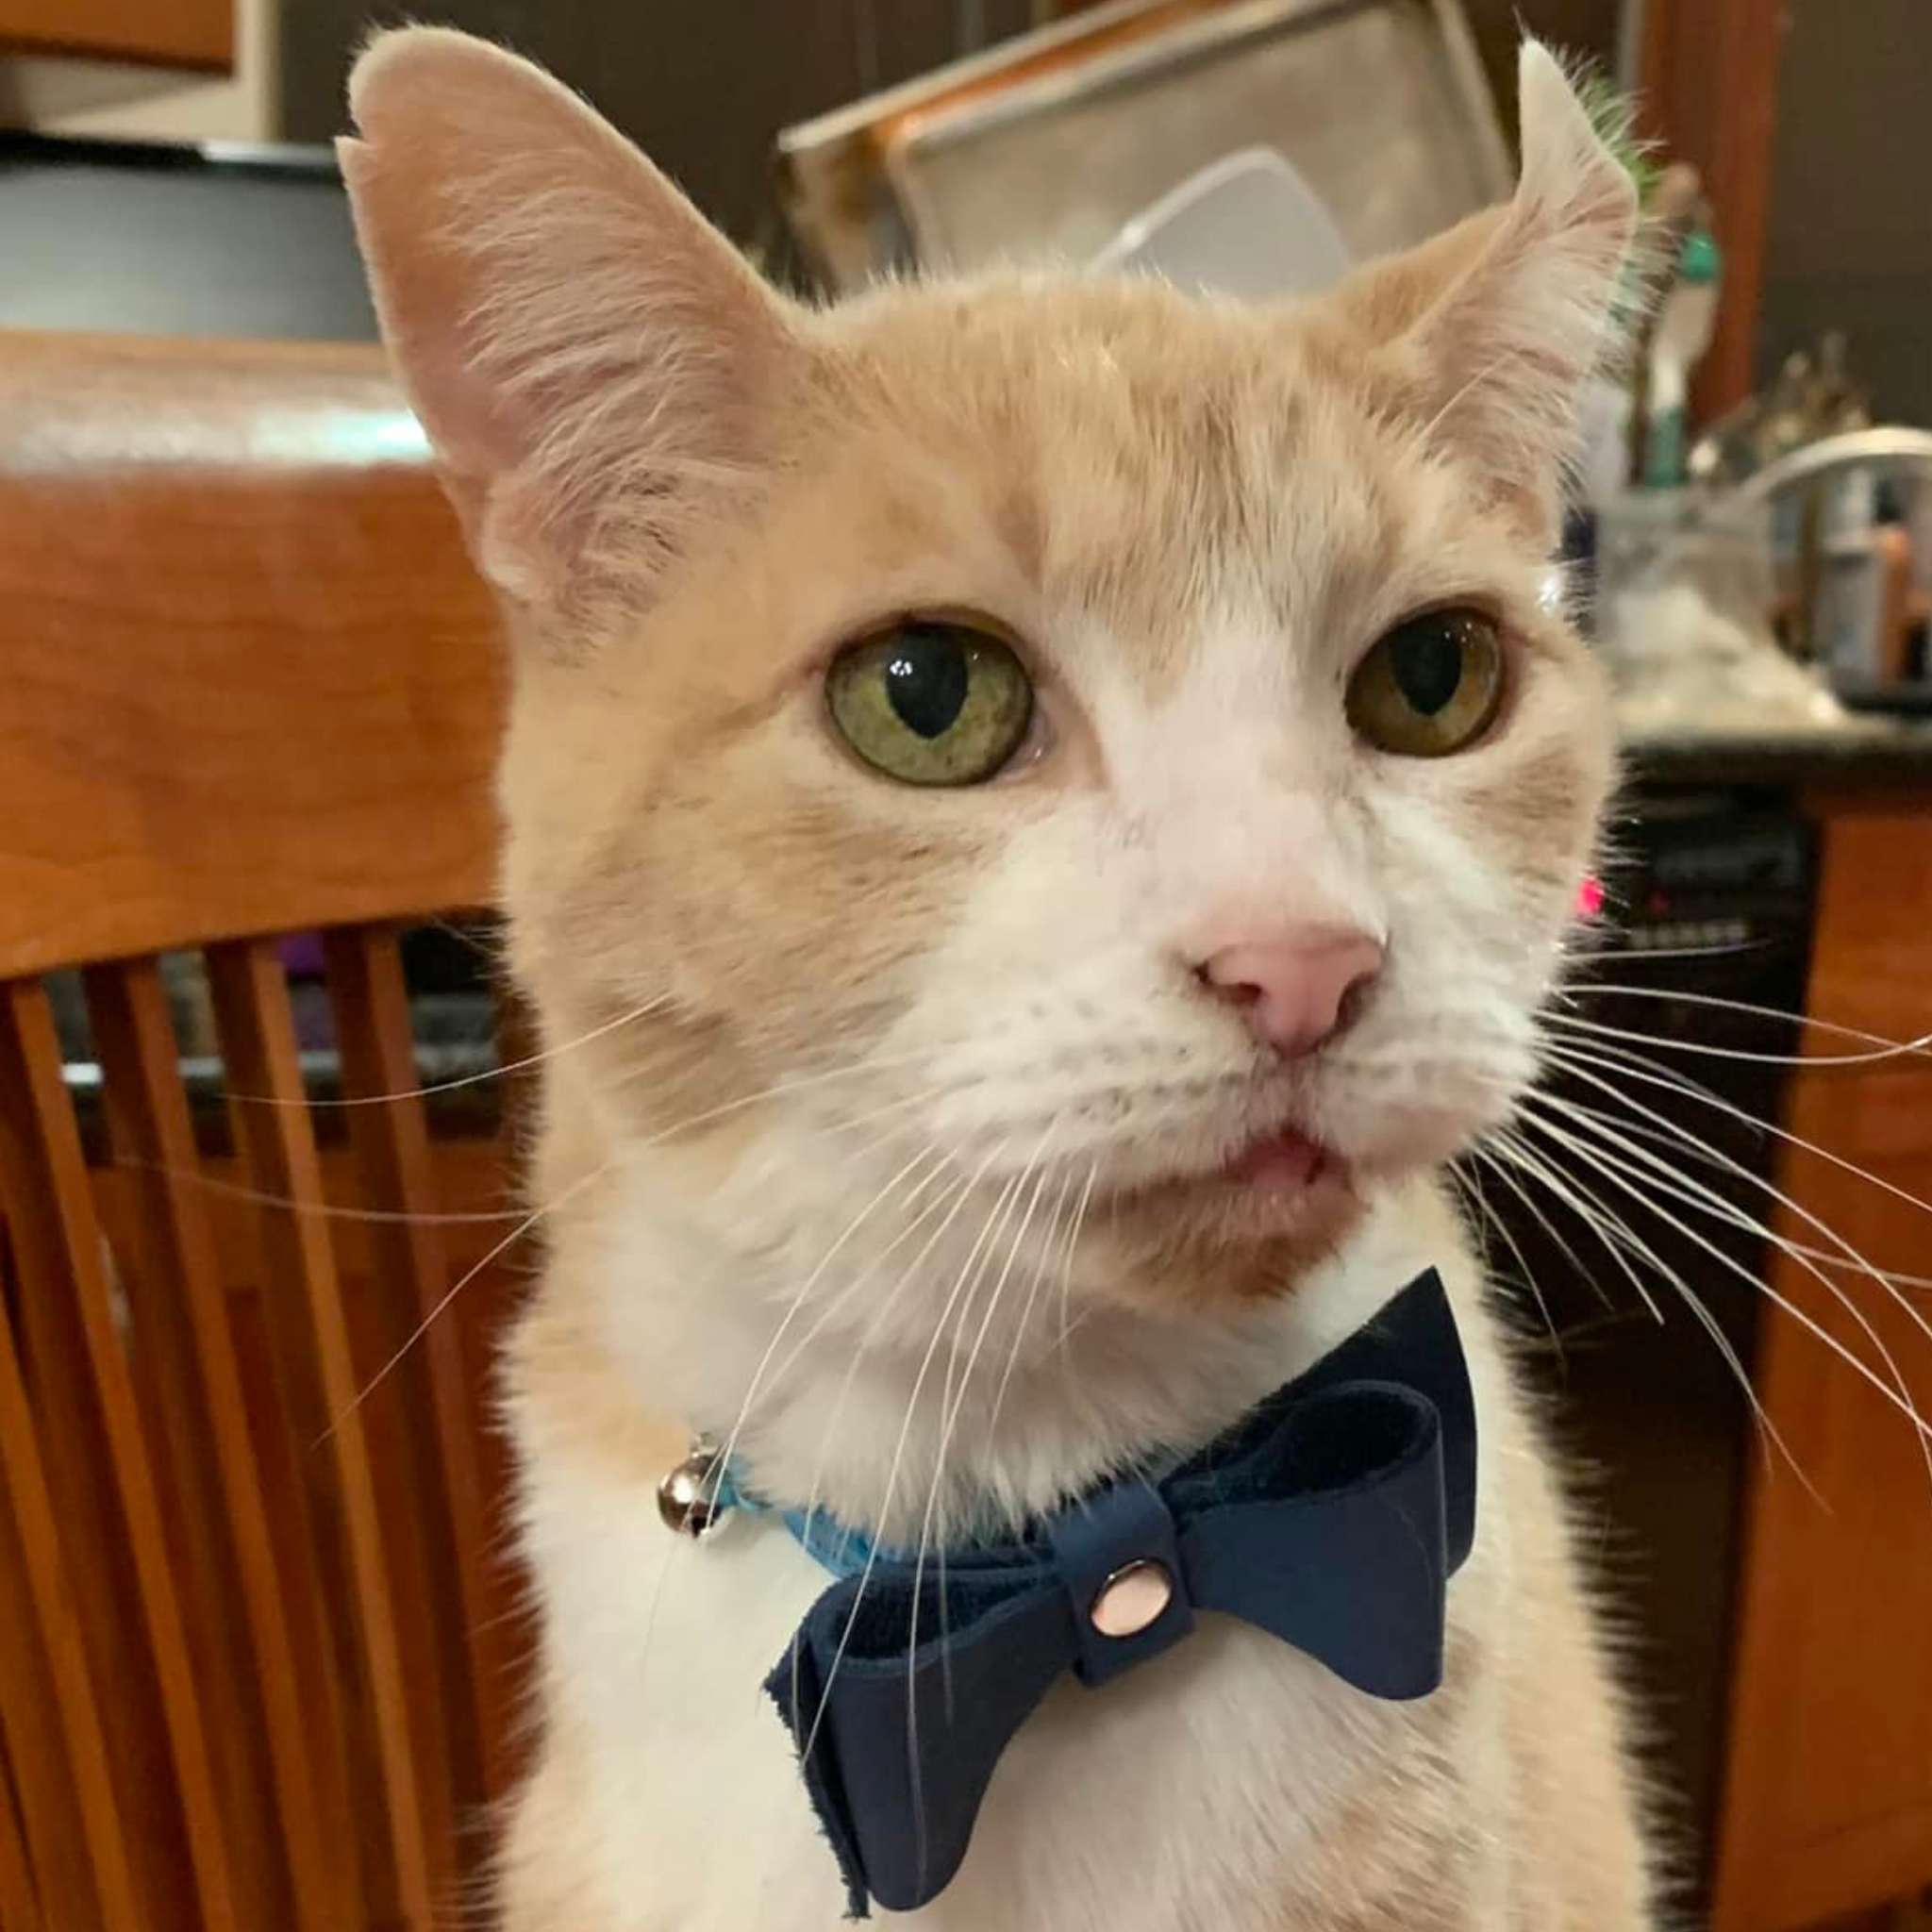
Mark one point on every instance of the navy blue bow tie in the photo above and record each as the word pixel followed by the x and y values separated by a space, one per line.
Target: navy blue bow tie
pixel 1331 1516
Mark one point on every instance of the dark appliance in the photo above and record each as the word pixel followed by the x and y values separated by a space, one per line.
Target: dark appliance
pixel 141 237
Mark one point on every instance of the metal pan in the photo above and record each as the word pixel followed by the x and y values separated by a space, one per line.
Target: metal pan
pixel 1044 148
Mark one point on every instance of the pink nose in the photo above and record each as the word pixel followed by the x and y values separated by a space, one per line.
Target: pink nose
pixel 1294 991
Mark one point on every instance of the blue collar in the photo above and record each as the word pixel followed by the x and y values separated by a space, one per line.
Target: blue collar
pixel 1331 1516
pixel 838 1548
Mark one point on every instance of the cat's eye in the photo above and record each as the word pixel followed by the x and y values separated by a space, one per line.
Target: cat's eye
pixel 1432 686
pixel 931 700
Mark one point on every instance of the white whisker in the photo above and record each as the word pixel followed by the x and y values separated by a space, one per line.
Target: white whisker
pixel 1579 1070
pixel 1910 1049
pixel 1589 950
pixel 319 1210
pixel 1662 1176
pixel 960 1195
pixel 949 1417
pixel 799 1083
pixel 953 1201
pixel 883 1510
pixel 953 1197
pixel 1048 1254
pixel 1067 1272
pixel 757 1383
pixel 498 1073
pixel 1573 1195
pixel 1535 1209
pixel 463 1280
pixel 1605 1222
pixel 1754 1012
pixel 1654 1078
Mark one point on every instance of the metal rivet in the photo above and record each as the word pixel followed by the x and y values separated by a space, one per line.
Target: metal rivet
pixel 688 1496
pixel 1134 1597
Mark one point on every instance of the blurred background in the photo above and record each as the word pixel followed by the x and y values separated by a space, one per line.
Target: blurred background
pixel 707 94
pixel 264 1648
pixel 707 90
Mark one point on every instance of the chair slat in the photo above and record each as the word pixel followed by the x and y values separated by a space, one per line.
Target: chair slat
pixel 99 1461
pixel 397 1413
pixel 285 1421
pixel 276 1657
pixel 20 1910
pixel 69 1812
pixel 188 1510
pixel 273 1129
pixel 390 1137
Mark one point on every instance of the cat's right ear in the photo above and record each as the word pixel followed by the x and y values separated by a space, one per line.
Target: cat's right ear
pixel 589 357
pixel 1503 320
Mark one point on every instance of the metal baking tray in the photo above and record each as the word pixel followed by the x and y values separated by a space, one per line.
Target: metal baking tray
pixel 1042 148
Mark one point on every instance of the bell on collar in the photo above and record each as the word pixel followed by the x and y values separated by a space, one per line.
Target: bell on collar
pixel 691 1498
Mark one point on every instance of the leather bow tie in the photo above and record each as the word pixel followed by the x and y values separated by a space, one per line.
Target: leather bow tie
pixel 1331 1516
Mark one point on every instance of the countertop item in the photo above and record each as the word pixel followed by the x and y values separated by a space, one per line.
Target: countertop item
pixel 1247 226
pixel 1685 323
pixel 1775 745
pixel 1044 147
pixel 138 238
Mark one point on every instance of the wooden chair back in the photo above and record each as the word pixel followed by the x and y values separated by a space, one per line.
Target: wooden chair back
pixel 258 1651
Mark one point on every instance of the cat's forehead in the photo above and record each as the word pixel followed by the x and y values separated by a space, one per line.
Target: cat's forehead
pixel 1157 464
pixel 1132 367
pixel 1144 457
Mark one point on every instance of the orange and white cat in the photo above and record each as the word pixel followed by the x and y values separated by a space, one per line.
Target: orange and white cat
pixel 1041 813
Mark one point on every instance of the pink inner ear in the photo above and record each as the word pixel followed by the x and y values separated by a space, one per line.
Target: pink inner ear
pixel 582 348
pixel 1590 897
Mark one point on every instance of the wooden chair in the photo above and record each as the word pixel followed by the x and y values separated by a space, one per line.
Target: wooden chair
pixel 258 1649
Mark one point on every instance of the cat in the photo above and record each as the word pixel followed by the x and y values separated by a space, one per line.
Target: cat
pixel 1039 811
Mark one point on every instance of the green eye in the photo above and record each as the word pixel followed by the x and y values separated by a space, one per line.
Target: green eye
pixel 1431 687
pixel 931 701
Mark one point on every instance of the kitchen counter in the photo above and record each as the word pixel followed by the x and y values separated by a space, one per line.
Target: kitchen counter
pixel 1822 1796
pixel 1800 736
pixel 1859 750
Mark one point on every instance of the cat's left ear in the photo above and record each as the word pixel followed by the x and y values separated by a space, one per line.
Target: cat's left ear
pixel 1503 320
pixel 593 361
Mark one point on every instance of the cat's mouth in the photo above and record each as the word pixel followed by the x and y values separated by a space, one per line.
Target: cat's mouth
pixel 1281 1163
pixel 1280 1193
pixel 1270 1173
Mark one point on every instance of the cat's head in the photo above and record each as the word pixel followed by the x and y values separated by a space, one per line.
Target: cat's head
pixel 1028 725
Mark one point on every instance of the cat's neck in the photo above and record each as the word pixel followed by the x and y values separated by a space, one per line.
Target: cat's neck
pixel 959 1420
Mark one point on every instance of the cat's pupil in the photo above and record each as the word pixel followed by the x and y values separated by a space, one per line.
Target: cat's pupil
pixel 1427 661
pixel 926 677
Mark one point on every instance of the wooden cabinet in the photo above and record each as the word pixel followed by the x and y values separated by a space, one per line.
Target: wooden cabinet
pixel 178 33
pixel 1828 1795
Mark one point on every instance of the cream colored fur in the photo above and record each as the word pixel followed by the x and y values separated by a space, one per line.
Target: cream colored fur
pixel 836 1065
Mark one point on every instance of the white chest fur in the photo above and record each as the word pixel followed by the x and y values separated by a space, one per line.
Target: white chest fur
pixel 1205 1788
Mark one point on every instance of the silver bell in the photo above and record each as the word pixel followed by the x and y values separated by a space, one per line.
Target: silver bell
pixel 688 1498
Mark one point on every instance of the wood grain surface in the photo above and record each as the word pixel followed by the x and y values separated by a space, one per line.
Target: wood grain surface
pixel 248 682
pixel 182 33
pixel 1828 1798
